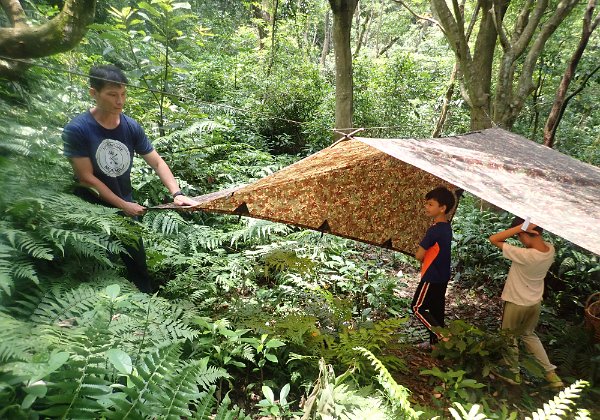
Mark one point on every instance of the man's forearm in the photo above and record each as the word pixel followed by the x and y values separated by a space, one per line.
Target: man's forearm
pixel 104 193
pixel 167 178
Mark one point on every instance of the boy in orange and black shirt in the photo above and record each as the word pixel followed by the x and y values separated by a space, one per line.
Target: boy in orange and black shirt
pixel 429 300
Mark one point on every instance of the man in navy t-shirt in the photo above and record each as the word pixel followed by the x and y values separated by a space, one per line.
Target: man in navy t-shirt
pixel 429 300
pixel 100 144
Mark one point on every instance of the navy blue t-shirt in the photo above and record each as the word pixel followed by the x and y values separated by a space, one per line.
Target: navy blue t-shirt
pixel 436 263
pixel 110 150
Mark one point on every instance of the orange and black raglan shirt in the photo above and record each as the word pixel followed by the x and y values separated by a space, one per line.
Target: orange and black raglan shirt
pixel 437 244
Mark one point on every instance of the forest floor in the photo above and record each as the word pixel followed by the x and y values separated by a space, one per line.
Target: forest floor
pixel 472 306
pixel 477 308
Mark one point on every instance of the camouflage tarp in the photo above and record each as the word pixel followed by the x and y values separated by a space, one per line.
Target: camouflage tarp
pixel 372 190
pixel 559 193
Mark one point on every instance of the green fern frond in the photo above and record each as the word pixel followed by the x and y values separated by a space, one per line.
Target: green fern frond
pixel 165 222
pixel 226 412
pixel 163 330
pixel 248 353
pixel 193 131
pixel 16 146
pixel 257 230
pixel 146 386
pixel 181 387
pixel 199 238
pixel 69 211
pixel 14 266
pixel 77 390
pixel 208 375
pixel 374 338
pixel 560 405
pixel 205 405
pixel 23 268
pixel 286 259
pixel 85 242
pixel 25 242
pixel 35 248
pixel 15 339
pixel 397 394
pixel 73 304
pixel 152 322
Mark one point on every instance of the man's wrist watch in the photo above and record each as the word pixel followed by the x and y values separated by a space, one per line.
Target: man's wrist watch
pixel 177 194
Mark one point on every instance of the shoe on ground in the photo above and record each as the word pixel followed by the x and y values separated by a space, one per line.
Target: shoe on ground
pixel 507 375
pixel 425 346
pixel 554 380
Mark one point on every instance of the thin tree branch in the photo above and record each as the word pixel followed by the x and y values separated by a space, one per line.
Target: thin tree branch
pixel 504 42
pixel 435 22
pixel 388 46
pixel 571 96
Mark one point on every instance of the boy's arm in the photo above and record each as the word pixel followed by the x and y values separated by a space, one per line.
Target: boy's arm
pixel 499 238
pixel 420 254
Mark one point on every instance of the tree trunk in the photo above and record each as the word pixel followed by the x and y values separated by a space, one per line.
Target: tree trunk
pixel 61 33
pixel 522 51
pixel 15 13
pixel 326 39
pixel 273 39
pixel 559 102
pixel 264 19
pixel 446 104
pixel 343 10
pixel 361 36
pixel 536 22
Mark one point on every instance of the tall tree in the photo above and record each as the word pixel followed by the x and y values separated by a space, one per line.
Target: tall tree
pixel 561 100
pixel 326 39
pixel 263 19
pixel 59 34
pixel 343 10
pixel 521 39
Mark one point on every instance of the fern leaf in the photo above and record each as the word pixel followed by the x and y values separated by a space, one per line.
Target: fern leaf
pixel 560 404
pixel 75 391
pixel 15 339
pixel 181 388
pixel 57 306
pixel 144 393
pixel 397 394
pixel 257 230
pixel 226 412
pixel 165 222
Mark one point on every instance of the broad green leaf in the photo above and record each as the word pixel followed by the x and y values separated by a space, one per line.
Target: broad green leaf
pixel 120 360
pixel 27 401
pixel 271 344
pixel 57 360
pixel 185 5
pixel 113 291
pixel 37 389
pixel 268 393
pixel 283 394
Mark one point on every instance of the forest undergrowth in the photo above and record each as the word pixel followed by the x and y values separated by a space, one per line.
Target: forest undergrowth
pixel 253 319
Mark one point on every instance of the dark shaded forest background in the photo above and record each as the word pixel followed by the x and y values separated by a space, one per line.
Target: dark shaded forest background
pixel 256 319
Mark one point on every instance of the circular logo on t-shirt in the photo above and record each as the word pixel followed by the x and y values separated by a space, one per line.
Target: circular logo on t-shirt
pixel 113 157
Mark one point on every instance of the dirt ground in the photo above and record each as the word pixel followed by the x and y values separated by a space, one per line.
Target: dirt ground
pixel 472 306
